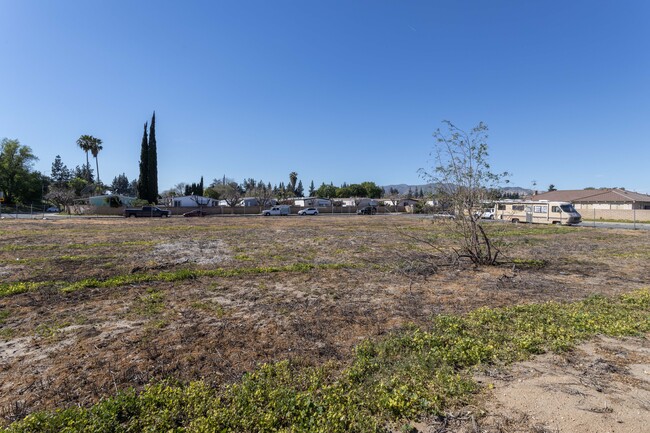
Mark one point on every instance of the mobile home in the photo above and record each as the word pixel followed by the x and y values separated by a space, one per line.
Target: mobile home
pixel 542 211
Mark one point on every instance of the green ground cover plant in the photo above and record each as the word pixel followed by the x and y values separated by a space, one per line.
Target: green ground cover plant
pixel 415 372
pixel 8 289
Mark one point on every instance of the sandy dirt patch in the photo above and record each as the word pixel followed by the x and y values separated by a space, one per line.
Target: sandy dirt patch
pixel 601 387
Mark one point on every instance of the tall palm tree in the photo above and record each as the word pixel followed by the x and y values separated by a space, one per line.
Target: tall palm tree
pixel 293 178
pixel 88 143
pixel 95 149
pixel 84 142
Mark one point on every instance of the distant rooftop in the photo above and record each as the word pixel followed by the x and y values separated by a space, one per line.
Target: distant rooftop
pixel 609 195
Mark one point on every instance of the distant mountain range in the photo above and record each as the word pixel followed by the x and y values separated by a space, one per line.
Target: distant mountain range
pixel 427 188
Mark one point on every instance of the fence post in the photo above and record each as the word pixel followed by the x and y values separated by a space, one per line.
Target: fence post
pixel 594 217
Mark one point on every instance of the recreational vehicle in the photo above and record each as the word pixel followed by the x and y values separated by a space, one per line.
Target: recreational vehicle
pixel 543 211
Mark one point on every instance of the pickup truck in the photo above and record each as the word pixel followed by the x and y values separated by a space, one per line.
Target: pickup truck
pixel 146 211
pixel 277 210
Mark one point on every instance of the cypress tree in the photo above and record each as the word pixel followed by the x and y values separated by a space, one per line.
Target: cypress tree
pixel 153 162
pixel 143 180
pixel 200 190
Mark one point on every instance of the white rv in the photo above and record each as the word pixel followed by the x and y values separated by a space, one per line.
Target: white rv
pixel 543 211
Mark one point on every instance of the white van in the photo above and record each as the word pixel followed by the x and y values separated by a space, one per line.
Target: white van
pixel 543 211
pixel 277 210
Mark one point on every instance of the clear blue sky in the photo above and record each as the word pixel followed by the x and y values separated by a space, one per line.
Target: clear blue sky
pixel 340 91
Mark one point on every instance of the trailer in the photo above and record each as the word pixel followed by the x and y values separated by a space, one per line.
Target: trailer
pixel 541 212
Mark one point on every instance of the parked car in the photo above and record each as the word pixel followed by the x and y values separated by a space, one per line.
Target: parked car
pixel 486 214
pixel 367 210
pixel 195 213
pixel 308 211
pixel 52 209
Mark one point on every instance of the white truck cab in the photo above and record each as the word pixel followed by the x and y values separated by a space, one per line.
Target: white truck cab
pixel 277 210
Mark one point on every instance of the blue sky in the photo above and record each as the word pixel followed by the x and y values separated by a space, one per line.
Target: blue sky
pixel 338 91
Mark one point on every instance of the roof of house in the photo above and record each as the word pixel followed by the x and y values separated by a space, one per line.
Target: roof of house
pixel 193 197
pixel 609 195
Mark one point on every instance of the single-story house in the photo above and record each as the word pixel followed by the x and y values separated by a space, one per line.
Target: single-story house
pixel 605 199
pixel 111 200
pixel 359 202
pixel 400 202
pixel 255 201
pixel 312 202
pixel 193 201
pixel 248 202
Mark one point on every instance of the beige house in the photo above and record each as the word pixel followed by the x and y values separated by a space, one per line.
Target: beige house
pixel 606 199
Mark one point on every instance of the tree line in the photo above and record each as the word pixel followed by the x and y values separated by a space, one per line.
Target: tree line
pixel 232 191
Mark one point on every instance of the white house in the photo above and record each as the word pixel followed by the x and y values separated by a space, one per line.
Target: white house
pixel 400 202
pixel 312 202
pixel 359 201
pixel 193 201
pixel 248 202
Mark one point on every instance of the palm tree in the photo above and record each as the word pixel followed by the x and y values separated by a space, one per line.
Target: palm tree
pixel 88 143
pixel 84 142
pixel 95 149
pixel 293 178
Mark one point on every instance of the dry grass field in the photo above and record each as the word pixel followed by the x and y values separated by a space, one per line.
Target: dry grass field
pixel 92 306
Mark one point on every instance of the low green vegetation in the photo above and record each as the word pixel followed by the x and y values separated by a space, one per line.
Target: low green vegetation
pixel 211 307
pixel 7 289
pixel 151 304
pixel 74 246
pixel 409 374
pixel 529 263
pixel 50 331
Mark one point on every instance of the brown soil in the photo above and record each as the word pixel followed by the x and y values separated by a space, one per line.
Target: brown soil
pixel 59 349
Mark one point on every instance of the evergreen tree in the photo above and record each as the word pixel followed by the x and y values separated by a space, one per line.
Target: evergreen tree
pixel 153 163
pixel 300 191
pixel 200 190
pixel 143 180
pixel 312 189
pixel 60 173
pixel 121 185
pixel 84 173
